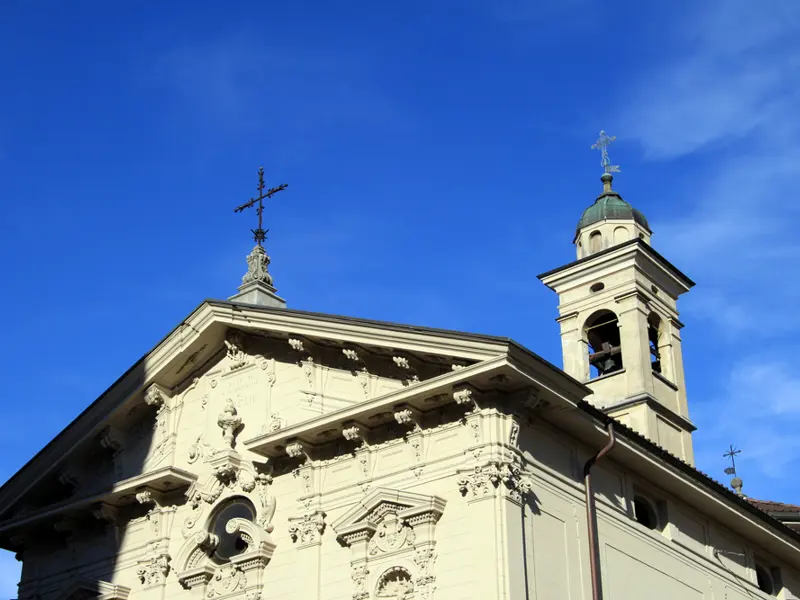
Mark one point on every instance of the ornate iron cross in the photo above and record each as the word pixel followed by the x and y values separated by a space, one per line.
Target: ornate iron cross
pixel 602 144
pixel 260 234
pixel 731 453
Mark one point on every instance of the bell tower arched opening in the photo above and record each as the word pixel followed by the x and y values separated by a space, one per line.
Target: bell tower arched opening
pixel 653 336
pixel 605 344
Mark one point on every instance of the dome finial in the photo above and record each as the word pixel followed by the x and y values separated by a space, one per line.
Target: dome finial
pixel 607 178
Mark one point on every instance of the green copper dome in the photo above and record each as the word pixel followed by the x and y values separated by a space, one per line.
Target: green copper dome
pixel 610 205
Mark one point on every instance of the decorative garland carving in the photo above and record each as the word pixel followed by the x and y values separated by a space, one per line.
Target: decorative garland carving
pixel 483 480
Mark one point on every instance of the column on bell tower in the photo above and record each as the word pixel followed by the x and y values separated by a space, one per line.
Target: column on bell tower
pixel 618 315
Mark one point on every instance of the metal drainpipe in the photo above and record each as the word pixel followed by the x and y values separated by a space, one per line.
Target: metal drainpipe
pixel 591 514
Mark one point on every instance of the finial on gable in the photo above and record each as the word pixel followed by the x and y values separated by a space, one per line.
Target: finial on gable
pixel 257 285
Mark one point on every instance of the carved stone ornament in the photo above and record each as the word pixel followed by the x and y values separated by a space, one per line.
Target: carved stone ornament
pixel 352 433
pixel 392 534
pixel 308 529
pixel 155 395
pixel 395 584
pixel 401 362
pixel 234 343
pixel 386 528
pixel 295 450
pixel 465 397
pixel 350 354
pixel 243 574
pixel 359 573
pixel 257 267
pixel 226 580
pixel 296 345
pixel 482 481
pixel 154 570
pixel 229 421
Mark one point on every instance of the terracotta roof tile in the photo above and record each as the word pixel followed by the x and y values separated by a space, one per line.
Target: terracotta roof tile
pixel 768 506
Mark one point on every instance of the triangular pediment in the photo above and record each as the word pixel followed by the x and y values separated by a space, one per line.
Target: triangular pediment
pixel 365 516
pixel 226 343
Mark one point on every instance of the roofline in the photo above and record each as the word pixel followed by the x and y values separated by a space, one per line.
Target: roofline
pixel 585 406
pixel 454 334
pixel 94 403
pixel 647 248
pixel 687 469
pixel 451 333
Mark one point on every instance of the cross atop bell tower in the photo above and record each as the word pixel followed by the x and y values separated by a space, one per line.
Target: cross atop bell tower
pixel 257 285
pixel 618 313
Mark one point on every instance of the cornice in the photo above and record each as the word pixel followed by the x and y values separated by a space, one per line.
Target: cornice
pixel 307 433
pixel 604 259
pixel 160 481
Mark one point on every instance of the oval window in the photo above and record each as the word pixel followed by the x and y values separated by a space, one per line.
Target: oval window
pixel 231 544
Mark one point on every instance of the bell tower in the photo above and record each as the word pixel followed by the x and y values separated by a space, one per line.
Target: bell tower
pixel 618 313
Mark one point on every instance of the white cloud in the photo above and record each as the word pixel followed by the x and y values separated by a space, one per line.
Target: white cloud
pixel 726 96
pixel 759 407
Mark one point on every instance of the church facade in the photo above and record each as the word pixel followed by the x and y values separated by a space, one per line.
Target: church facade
pixel 261 453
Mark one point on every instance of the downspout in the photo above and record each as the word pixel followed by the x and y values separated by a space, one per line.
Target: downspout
pixel 591 514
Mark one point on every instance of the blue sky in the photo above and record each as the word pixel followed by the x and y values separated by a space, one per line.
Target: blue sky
pixel 437 156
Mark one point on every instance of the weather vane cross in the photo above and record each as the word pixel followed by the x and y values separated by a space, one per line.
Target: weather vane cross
pixel 602 144
pixel 260 234
pixel 731 453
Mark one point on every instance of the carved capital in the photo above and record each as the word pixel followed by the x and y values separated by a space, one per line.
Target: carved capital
pixel 154 570
pixel 308 529
pixel 482 481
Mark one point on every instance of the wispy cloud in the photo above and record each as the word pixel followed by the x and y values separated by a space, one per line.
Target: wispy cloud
pixel 758 405
pixel 243 82
pixel 727 96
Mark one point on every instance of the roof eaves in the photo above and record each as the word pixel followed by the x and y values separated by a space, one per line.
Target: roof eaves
pixel 689 470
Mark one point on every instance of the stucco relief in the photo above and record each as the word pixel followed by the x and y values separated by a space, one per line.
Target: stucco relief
pixel 482 480
pixel 240 576
pixel 248 483
pixel 391 534
pixel 307 529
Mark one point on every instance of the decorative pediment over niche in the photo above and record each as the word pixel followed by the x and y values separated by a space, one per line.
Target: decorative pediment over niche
pixel 392 538
pixel 91 589
pixel 384 509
